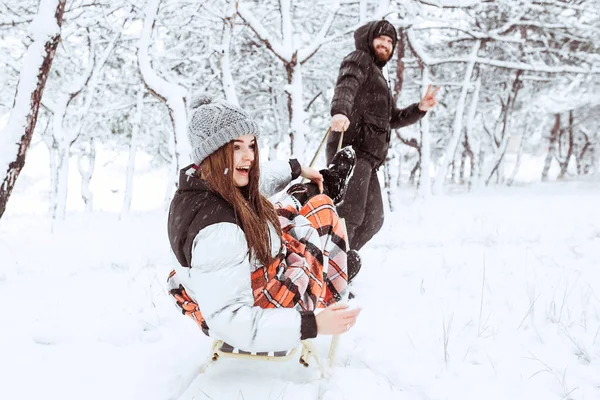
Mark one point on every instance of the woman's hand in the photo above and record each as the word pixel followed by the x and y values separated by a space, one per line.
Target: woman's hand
pixel 336 319
pixel 313 175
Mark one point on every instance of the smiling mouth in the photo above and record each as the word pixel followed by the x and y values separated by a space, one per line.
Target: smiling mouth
pixel 243 170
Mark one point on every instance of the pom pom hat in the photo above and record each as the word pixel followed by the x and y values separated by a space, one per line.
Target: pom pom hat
pixel 214 123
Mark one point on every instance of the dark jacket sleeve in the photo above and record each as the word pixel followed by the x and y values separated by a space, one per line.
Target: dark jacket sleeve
pixel 308 325
pixel 406 116
pixel 296 168
pixel 353 73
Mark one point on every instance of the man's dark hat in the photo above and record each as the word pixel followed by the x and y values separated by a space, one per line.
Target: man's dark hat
pixel 385 28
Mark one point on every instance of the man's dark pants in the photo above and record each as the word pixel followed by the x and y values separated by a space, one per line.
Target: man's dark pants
pixel 362 208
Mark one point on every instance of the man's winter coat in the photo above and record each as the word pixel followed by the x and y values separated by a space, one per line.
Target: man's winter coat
pixel 215 268
pixel 362 94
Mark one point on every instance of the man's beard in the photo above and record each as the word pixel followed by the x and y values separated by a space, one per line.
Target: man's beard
pixel 382 54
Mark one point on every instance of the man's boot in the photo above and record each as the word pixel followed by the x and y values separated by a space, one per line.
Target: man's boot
pixel 353 264
pixel 338 174
pixel 335 178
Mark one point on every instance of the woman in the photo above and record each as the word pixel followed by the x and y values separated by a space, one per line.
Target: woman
pixel 252 274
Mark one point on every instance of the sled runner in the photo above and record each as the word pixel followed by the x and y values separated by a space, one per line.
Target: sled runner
pixel 308 350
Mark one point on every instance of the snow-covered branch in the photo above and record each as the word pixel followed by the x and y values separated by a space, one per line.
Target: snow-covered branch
pixel 306 53
pixel 452 3
pixel 474 34
pixel 287 29
pixel 97 68
pixel 428 60
pixel 280 51
pixel 570 6
pixel 15 21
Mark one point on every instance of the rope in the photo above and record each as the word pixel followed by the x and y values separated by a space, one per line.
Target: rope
pixel 339 147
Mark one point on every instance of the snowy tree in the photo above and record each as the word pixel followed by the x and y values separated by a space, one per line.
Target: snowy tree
pixel 45 32
pixel 171 93
pixel 70 99
pixel 293 48
pixel 512 39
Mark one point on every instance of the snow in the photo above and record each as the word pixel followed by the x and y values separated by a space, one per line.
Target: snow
pixel 488 295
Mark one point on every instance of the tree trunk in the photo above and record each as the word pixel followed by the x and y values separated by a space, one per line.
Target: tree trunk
pixel 171 94
pixel 133 144
pixel 413 173
pixel 32 80
pixel 401 50
pixel 228 84
pixel 276 117
pixel 51 146
pixel 62 181
pixel 511 179
pixel 470 134
pixel 362 12
pixel 399 177
pixel 62 140
pixel 424 189
pixel 296 109
pixel 564 166
pixel 496 165
pixel 468 153
pixel 86 164
pixel 475 165
pixel 457 126
pixel 63 136
pixel 173 171
pixel 456 165
pixel 463 166
pixel 387 177
pixel 551 147
pixel 583 167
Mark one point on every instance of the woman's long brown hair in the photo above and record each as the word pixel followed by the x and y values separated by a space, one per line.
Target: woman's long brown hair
pixel 252 209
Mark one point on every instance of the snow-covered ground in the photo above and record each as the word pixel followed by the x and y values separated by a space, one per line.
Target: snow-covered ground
pixel 492 295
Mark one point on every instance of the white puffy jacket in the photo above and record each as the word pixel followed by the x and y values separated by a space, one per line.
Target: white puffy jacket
pixel 219 280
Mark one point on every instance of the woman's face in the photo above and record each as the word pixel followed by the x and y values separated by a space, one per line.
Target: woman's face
pixel 244 148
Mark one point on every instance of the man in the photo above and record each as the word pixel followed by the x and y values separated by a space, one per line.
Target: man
pixel 363 107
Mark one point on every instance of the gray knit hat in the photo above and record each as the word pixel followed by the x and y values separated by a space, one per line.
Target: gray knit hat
pixel 214 123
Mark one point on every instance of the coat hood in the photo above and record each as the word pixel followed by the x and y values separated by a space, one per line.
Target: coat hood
pixel 363 37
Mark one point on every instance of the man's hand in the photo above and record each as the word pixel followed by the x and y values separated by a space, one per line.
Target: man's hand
pixel 339 123
pixel 428 101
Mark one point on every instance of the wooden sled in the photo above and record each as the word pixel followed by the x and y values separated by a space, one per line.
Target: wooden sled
pixel 308 351
pixel 222 349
